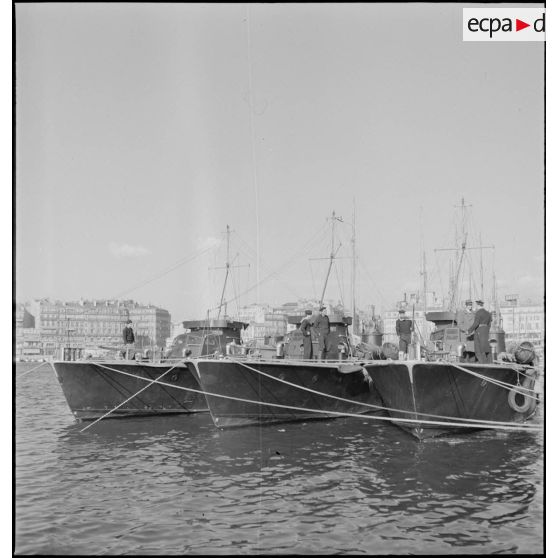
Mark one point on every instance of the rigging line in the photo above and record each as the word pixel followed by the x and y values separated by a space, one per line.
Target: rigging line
pixel 253 148
pixel 270 275
pixel 304 248
pixel 439 273
pixel 474 283
pixel 249 289
pixel 313 280
pixel 273 274
pixel 345 233
pixel 342 270
pixel 241 246
pixel 339 284
pixel 317 235
pixel 249 250
pixel 373 282
pixel 463 279
pixel 285 284
pixel 229 271
pixel 173 268
pixel 458 277
pixel 481 423
pixel 235 291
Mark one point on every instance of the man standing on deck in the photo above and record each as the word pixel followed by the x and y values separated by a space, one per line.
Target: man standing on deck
pixel 481 329
pixel 306 330
pixel 321 325
pixel 404 328
pixel 465 320
pixel 129 338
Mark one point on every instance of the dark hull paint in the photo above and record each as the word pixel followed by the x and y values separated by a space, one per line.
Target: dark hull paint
pixel 442 389
pixel 235 380
pixel 91 390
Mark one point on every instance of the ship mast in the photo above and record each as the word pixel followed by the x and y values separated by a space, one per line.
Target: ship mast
pixel 423 271
pixel 481 271
pixel 455 291
pixel 332 254
pixel 253 150
pixel 455 278
pixel 228 268
pixel 353 279
pixel 494 294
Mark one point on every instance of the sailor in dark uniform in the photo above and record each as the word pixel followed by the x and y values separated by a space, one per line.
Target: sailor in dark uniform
pixel 465 320
pixel 404 328
pixel 321 325
pixel 481 329
pixel 306 330
pixel 129 339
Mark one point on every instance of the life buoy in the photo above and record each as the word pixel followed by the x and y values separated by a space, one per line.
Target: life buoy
pixel 529 398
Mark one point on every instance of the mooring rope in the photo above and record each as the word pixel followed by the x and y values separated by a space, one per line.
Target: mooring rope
pixel 516 367
pixel 32 370
pixel 129 398
pixel 504 385
pixel 370 405
pixel 474 423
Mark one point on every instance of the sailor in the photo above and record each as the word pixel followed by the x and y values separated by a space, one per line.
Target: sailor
pixel 465 321
pixel 129 338
pixel 404 328
pixel 306 330
pixel 321 325
pixel 481 329
pixel 467 316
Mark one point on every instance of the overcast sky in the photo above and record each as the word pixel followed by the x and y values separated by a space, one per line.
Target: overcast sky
pixel 143 130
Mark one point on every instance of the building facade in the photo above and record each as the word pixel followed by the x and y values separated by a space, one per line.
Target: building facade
pixel 264 322
pixel 87 324
pixel 423 327
pixel 523 322
pixel 151 324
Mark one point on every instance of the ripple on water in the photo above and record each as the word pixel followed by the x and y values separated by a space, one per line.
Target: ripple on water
pixel 177 485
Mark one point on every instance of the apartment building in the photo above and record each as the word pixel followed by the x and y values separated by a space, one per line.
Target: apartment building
pixel 263 321
pixel 523 322
pixel 87 324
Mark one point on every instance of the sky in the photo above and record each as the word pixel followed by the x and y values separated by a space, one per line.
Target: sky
pixel 143 130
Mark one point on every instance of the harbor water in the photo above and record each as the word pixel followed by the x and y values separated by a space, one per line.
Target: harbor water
pixel 179 485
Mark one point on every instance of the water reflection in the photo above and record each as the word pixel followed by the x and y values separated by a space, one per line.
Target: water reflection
pixel 483 466
pixel 179 485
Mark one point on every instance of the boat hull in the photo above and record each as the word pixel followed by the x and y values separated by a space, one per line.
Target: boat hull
pixel 92 388
pixel 257 392
pixel 415 390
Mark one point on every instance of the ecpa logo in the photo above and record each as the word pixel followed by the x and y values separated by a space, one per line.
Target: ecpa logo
pixel 503 24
